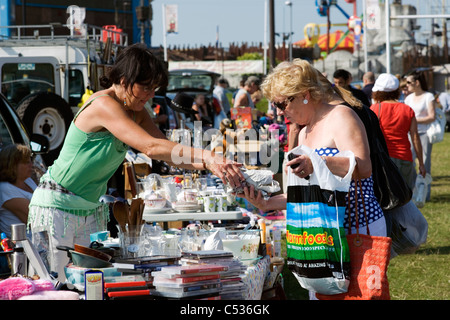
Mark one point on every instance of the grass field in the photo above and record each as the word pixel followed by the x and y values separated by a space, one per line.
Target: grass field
pixel 425 274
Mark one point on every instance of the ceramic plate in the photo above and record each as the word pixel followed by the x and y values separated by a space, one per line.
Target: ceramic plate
pixel 187 209
pixel 157 210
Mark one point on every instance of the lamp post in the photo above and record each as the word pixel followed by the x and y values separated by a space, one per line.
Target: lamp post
pixel 272 51
pixel 388 37
pixel 289 4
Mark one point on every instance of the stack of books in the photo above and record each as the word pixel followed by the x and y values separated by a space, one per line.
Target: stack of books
pixel 200 281
pixel 232 286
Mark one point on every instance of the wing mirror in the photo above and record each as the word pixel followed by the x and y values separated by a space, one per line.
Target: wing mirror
pixel 39 143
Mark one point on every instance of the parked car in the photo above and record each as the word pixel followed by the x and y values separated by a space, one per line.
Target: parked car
pixel 12 130
pixel 193 82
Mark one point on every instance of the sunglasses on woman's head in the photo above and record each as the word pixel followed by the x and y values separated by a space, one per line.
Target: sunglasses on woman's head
pixel 282 105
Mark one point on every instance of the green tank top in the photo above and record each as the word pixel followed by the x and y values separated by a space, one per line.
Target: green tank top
pixel 87 161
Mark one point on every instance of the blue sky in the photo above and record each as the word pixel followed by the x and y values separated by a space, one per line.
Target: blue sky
pixel 243 20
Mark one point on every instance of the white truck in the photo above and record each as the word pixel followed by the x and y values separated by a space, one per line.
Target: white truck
pixel 45 75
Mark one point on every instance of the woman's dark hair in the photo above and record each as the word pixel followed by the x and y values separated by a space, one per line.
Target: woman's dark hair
pixel 342 74
pixel 381 96
pixel 136 64
pixel 418 75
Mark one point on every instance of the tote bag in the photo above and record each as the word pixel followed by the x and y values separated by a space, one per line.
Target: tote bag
pixel 408 229
pixel 317 250
pixel 369 260
pixel 436 129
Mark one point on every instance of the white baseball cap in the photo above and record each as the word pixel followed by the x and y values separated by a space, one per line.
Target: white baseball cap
pixel 386 82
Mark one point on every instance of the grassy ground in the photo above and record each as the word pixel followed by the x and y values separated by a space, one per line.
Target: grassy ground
pixel 423 275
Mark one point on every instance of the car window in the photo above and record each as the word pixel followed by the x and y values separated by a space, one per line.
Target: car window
pixel 76 87
pixel 11 128
pixel 22 79
pixel 189 81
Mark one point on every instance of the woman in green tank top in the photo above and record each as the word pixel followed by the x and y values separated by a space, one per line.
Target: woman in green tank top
pixel 66 202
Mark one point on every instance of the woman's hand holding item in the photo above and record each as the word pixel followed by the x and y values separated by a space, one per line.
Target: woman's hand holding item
pixel 422 170
pixel 301 166
pixel 255 198
pixel 226 170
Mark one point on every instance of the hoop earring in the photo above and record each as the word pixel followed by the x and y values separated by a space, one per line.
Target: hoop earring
pixel 305 101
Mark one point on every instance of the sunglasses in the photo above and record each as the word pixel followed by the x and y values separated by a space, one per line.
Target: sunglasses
pixel 282 105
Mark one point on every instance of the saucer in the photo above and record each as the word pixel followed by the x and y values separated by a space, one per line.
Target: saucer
pixel 157 210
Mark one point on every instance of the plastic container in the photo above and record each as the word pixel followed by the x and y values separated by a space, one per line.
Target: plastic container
pixel 421 189
pixel 106 33
pixel 75 275
pixel 276 243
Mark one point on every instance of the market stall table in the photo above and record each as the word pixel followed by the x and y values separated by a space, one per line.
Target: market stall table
pixel 150 216
pixel 171 216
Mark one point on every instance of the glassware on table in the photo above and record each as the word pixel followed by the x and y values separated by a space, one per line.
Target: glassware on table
pixel 141 188
pixel 201 184
pixel 131 241
pixel 187 180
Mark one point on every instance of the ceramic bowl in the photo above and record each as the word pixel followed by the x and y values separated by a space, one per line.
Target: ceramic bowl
pixel 243 244
pixel 155 203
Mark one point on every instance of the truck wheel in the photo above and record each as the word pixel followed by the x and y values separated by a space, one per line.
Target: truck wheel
pixel 47 114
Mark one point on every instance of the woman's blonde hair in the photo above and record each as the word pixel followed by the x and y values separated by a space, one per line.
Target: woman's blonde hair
pixel 289 79
pixel 10 157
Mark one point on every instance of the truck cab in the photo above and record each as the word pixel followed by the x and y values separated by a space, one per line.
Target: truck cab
pixel 45 76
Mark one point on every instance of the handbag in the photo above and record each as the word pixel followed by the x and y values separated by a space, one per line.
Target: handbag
pixel 317 250
pixel 390 188
pixel 407 228
pixel 436 129
pixel 369 260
